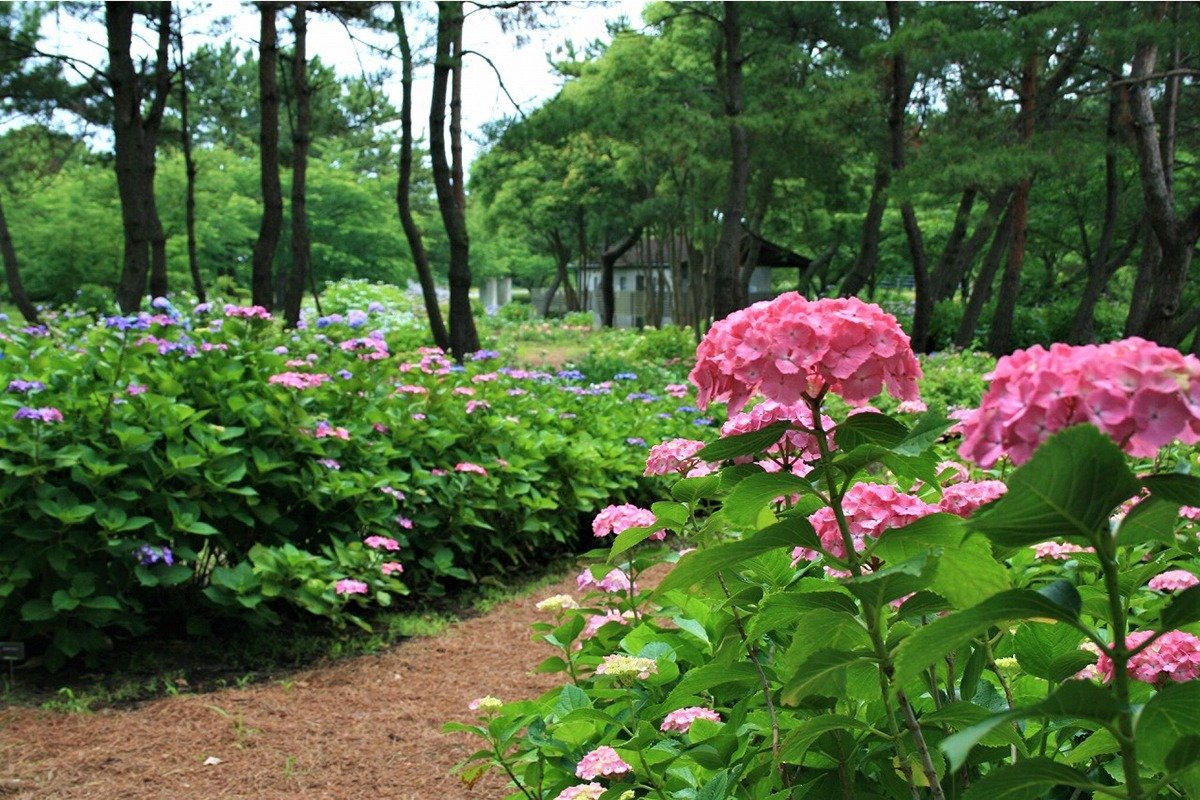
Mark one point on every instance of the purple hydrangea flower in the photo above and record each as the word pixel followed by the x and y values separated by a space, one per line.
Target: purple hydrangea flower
pixel 39 414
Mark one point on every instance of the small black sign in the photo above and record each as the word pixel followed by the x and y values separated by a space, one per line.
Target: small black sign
pixel 12 651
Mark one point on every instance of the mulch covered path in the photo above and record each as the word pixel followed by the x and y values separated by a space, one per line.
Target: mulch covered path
pixel 364 728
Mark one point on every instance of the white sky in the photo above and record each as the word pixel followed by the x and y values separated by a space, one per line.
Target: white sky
pixel 525 70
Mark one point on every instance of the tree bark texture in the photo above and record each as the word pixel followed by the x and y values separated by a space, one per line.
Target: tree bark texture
pixel 1176 234
pixel 416 243
pixel 301 247
pixel 134 141
pixel 1000 335
pixel 262 290
pixel 727 294
pixel 982 289
pixel 608 260
pixel 863 268
pixel 12 273
pixel 944 278
pixel 448 173
pixel 185 136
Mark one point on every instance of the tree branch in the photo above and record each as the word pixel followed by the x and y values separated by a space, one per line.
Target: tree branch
pixel 499 79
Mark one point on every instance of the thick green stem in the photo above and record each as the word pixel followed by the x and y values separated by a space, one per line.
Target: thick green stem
pixel 1119 652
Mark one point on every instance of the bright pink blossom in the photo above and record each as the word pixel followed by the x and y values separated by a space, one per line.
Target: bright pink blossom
pixel 477 405
pixel 677 390
pixel 299 380
pixel 381 543
pixel 681 721
pixel 368 348
pixel 598 621
pixel 964 498
pixel 675 455
pixel 1173 581
pixel 791 348
pixel 615 581
pixel 793 443
pixel 467 466
pixel 391 568
pixel 870 509
pixel 324 430
pixel 1174 656
pixel 601 761
pixel 612 520
pixel 350 586
pixel 1142 395
pixel 246 312
pixel 1059 550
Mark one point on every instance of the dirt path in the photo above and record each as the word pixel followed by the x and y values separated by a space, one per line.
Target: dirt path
pixel 368 727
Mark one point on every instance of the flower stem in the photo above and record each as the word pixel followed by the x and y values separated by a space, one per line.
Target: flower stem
pixel 1120 654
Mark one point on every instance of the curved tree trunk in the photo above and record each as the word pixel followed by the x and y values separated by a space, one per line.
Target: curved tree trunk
pixel 965 335
pixel 134 140
pixel 448 174
pixel 863 268
pixel 1000 336
pixel 412 232
pixel 608 260
pixel 944 278
pixel 301 247
pixel 262 290
pixel 727 294
pixel 12 273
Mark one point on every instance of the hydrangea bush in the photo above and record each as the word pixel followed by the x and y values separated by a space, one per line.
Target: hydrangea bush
pixel 852 612
pixel 185 467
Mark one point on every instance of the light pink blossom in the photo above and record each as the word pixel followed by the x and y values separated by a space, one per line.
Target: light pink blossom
pixel 391 568
pixel 680 721
pixel 381 543
pixel 467 466
pixel 1173 581
pixel 612 520
pixel 299 380
pixel 964 498
pixel 350 586
pixel 870 509
pixel 1174 656
pixel 1059 550
pixel 793 443
pixel 582 791
pixel 598 621
pixel 601 761
pixel 674 455
pixel 615 581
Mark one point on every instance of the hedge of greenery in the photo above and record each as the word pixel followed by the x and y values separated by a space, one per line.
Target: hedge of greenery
pixel 173 470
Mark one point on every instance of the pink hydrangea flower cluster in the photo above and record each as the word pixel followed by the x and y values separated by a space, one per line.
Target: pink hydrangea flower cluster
pixel 391 568
pixel 350 586
pixel 601 761
pixel 598 621
pixel 793 443
pixel 1139 393
pixel 677 390
pixel 246 312
pixel 790 348
pixel 681 721
pixel 674 455
pixel 324 431
pixel 615 581
pixel 612 520
pixel 870 509
pixel 381 543
pixel 299 380
pixel 1059 550
pixel 467 466
pixel 582 791
pixel 369 348
pixel 1174 656
pixel 1173 581
pixel 964 498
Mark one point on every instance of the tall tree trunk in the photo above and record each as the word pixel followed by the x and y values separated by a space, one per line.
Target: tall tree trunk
pixel 185 136
pixel 262 290
pixel 959 278
pixel 901 91
pixel 134 141
pixel 562 257
pixel 301 247
pixel 1101 265
pixel 12 273
pixel 965 335
pixel 762 201
pixel 1176 234
pixel 1000 336
pixel 608 260
pixel 412 232
pixel 727 294
pixel 863 268
pixel 944 278
pixel 448 173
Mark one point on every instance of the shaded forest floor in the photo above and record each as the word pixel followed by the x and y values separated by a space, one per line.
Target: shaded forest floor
pixel 368 726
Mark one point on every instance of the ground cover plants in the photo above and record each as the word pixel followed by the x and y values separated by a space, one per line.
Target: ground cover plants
pixel 999 605
pixel 185 469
